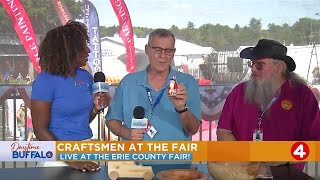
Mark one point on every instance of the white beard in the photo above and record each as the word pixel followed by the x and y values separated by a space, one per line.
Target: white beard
pixel 261 93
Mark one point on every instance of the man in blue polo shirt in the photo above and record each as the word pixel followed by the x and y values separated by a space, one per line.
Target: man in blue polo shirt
pixel 170 117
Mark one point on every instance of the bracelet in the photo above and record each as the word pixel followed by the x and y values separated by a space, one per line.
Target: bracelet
pixel 95 111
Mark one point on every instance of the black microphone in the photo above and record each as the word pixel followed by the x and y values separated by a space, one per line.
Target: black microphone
pixel 99 84
pixel 138 120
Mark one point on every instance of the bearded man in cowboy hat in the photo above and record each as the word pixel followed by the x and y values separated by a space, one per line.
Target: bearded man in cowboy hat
pixel 274 105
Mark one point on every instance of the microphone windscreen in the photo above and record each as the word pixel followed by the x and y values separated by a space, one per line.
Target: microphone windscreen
pixel 138 112
pixel 99 84
pixel 99 77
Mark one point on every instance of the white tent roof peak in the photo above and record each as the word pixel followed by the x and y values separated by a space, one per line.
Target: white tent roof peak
pixel 183 47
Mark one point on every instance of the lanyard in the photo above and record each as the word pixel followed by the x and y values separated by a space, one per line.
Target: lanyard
pixel 263 110
pixel 153 105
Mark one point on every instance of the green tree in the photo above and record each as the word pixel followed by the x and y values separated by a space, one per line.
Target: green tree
pixel 190 25
pixel 255 29
pixel 108 31
pixel 188 33
pixel 302 31
pixel 140 32
pixel 255 24
pixel 176 31
pixel 274 31
pixel 42 15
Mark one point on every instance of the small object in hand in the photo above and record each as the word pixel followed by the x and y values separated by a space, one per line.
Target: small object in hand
pixel 173 86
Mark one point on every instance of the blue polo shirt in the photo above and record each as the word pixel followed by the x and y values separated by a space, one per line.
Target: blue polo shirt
pixel 71 103
pixel 132 92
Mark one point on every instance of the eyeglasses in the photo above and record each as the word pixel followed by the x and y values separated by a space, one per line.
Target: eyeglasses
pixel 158 50
pixel 259 65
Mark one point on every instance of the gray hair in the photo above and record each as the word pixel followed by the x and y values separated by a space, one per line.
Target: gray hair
pixel 161 33
pixel 292 77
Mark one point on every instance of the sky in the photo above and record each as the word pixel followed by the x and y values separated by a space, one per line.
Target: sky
pixel 165 13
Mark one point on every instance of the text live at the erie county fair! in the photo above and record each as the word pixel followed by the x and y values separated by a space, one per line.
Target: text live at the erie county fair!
pixel 194 151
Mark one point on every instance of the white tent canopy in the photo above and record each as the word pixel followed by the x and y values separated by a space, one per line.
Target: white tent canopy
pixel 114 54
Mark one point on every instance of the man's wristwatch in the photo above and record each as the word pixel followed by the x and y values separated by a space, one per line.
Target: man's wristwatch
pixel 183 110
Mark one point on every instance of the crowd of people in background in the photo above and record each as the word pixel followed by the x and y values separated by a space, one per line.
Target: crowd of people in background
pixel 8 78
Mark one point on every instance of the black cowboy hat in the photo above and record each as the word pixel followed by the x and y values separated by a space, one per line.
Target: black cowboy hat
pixel 268 49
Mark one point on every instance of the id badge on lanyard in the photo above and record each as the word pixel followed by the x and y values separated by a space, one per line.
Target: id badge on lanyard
pixel 151 130
pixel 257 133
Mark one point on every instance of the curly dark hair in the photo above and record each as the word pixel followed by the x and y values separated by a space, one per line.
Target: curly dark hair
pixel 61 46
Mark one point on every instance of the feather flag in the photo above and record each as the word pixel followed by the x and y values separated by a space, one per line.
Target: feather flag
pixel 91 19
pixel 23 27
pixel 125 32
pixel 62 10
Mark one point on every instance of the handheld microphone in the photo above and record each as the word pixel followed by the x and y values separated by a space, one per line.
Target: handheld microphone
pixel 99 84
pixel 138 120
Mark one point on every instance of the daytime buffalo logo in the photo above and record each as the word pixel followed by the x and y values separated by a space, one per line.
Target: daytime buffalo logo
pixel 29 151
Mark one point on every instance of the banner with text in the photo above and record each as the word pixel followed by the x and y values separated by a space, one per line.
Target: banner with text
pixel 125 32
pixel 91 19
pixel 62 10
pixel 192 151
pixel 24 29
